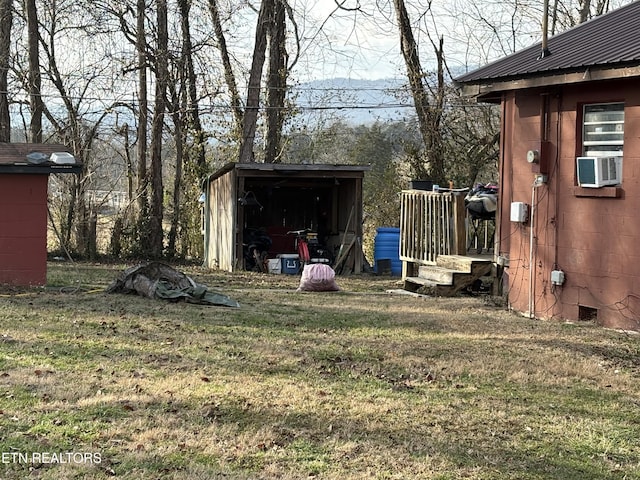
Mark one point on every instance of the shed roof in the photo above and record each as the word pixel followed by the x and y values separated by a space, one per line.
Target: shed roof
pixel 13 159
pixel 303 169
pixel 605 42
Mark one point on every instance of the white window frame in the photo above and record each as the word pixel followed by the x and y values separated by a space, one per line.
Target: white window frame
pixel 603 129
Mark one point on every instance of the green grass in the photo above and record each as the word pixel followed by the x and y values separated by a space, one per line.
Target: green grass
pixel 355 384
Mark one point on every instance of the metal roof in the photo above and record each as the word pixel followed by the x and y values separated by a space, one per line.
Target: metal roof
pixel 13 159
pixel 610 40
pixel 306 169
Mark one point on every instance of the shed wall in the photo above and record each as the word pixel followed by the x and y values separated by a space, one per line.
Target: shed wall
pixel 23 229
pixel 220 222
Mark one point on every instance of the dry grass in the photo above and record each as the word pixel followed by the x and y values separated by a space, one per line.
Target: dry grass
pixel 356 384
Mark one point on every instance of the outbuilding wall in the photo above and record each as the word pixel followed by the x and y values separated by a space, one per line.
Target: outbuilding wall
pixel 23 229
pixel 220 222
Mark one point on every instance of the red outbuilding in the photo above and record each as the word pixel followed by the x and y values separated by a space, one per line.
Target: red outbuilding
pixel 24 175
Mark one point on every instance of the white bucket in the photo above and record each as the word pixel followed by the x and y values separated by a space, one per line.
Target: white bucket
pixel 274 266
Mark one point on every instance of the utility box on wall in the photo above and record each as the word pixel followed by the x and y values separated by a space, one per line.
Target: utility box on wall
pixel 539 157
pixel 519 212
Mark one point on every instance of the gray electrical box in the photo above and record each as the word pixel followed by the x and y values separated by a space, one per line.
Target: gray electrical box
pixel 519 212
pixel 557 277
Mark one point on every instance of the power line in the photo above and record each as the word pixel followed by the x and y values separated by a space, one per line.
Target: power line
pixel 329 105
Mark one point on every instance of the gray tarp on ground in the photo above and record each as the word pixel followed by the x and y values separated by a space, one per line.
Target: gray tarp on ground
pixel 159 281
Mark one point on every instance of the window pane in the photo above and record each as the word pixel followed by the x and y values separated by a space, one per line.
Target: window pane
pixel 602 151
pixel 603 129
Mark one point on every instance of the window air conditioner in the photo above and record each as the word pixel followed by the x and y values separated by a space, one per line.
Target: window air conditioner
pixel 595 172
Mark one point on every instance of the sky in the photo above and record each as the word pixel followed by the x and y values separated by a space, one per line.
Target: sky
pixel 364 44
pixel 350 45
pixel 357 45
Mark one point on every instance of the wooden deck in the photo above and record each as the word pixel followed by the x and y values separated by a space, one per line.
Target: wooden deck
pixel 431 224
pixel 442 252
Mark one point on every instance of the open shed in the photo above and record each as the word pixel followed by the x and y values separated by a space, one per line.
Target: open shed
pixel 277 199
pixel 24 175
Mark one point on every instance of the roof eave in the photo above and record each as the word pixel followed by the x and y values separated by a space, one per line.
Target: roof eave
pixel 490 89
pixel 247 169
pixel 42 169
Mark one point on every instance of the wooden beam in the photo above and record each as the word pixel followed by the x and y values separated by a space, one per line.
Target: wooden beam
pixel 487 87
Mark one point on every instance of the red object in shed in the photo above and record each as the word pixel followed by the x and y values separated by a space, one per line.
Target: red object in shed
pixel 23 210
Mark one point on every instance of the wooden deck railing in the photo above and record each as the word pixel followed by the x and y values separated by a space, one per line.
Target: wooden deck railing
pixel 431 224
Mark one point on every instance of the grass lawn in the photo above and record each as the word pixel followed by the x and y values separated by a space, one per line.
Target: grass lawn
pixel 357 384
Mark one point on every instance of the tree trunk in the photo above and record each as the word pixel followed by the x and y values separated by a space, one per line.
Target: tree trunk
pixel 428 116
pixel 277 85
pixel 35 80
pixel 253 90
pixel 178 136
pixel 6 21
pixel 128 162
pixel 435 149
pixel 193 167
pixel 584 10
pixel 156 209
pixel 182 68
pixel 193 113
pixel 143 115
pixel 229 77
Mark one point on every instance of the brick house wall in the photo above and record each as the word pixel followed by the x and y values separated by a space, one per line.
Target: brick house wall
pixel 592 235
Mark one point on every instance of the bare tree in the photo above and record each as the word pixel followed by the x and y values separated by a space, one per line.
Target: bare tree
pixel 230 79
pixel 72 122
pixel 191 86
pixel 196 163
pixel 277 82
pixel 6 22
pixel 189 139
pixel 143 110
pixel 429 115
pixel 179 141
pixel 35 80
pixel 250 117
pixel 156 207
pixel 134 225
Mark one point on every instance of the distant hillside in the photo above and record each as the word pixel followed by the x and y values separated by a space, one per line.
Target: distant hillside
pixel 353 101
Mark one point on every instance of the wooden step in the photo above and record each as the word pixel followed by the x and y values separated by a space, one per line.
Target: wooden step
pixel 428 287
pixel 450 275
pixel 438 274
pixel 466 264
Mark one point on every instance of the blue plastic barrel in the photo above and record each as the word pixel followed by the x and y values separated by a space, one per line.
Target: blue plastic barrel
pixel 387 246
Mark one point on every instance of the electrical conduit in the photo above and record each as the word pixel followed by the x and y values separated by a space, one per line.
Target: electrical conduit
pixel 532 305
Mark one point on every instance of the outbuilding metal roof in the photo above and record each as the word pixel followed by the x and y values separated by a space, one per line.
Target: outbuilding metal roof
pixel 14 159
pixel 610 40
pixel 319 170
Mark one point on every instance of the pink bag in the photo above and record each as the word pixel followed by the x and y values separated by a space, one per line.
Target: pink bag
pixel 318 277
